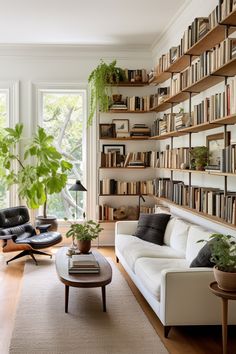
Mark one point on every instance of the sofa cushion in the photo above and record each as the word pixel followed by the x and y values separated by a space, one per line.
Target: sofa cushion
pixel 179 235
pixel 133 248
pixel 203 258
pixel 151 227
pixel 149 271
pixel 195 234
pixel 169 229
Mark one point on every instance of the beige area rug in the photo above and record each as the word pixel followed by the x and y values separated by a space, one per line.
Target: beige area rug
pixel 42 326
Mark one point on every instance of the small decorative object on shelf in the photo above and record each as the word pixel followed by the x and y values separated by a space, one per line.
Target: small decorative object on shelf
pixel 200 156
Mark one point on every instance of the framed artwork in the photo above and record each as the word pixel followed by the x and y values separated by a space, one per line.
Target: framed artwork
pixel 215 144
pixel 113 148
pixel 121 125
pixel 106 131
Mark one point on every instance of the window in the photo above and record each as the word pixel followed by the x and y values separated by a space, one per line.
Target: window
pixel 63 114
pixel 9 116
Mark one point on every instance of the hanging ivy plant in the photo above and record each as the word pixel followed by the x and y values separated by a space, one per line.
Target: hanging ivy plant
pixel 100 91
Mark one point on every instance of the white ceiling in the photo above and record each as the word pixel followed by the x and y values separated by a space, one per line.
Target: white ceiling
pixel 85 22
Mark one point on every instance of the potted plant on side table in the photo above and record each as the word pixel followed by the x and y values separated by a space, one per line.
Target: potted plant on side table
pixel 223 255
pixel 84 233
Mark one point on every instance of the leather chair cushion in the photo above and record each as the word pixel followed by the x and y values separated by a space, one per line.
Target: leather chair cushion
pixel 13 216
pixel 20 231
pixel 44 240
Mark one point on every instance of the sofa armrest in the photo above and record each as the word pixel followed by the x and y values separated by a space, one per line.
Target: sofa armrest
pixel 127 227
pixel 186 297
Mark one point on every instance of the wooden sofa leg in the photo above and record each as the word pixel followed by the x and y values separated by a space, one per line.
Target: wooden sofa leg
pixel 166 331
pixel 117 259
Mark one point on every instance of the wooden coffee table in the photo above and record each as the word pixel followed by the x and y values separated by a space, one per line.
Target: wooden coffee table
pixel 83 280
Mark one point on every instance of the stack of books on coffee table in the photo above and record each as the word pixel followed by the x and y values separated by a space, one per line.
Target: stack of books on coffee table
pixel 83 263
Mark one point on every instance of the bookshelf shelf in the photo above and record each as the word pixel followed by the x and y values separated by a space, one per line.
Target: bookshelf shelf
pixel 126 168
pixel 230 19
pixel 199 213
pixel 120 195
pixel 120 111
pixel 130 84
pixel 212 173
pixel 126 139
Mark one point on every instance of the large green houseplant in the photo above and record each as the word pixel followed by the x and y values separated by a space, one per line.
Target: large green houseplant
pixel 39 172
pixel 100 80
pixel 223 255
pixel 84 233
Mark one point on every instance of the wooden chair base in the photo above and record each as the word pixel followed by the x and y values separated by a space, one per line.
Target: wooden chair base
pixel 30 253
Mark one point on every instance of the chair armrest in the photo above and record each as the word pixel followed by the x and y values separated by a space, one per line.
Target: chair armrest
pixel 127 227
pixel 43 228
pixel 185 296
pixel 8 237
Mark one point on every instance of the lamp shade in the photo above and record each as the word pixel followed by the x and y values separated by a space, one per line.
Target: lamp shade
pixel 78 187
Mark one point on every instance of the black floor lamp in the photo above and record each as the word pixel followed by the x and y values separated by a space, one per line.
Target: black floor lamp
pixel 77 187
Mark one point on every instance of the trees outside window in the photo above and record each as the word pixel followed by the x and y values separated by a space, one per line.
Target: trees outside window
pixel 63 114
pixel 4 123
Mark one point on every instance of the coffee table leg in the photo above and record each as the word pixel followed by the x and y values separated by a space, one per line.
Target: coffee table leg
pixel 104 298
pixel 66 297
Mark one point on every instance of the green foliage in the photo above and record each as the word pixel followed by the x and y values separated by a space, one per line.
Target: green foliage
pixel 200 155
pixel 88 230
pixel 223 252
pixel 46 175
pixel 100 91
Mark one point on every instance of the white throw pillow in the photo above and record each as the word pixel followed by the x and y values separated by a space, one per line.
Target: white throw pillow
pixel 179 235
pixel 196 233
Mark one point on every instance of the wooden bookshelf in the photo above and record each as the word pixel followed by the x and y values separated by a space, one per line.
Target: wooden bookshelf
pixel 120 111
pixel 198 213
pixel 125 168
pixel 121 195
pixel 130 84
pixel 127 139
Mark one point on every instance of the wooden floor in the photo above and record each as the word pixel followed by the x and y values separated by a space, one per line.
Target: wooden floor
pixel 182 340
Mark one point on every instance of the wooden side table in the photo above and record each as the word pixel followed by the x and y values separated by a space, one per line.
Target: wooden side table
pixel 225 296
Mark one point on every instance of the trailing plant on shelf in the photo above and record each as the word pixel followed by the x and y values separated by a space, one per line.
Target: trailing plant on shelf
pixel 100 91
pixel 41 170
pixel 200 156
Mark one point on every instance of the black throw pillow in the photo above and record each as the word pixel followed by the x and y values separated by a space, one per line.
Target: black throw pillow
pixel 151 227
pixel 203 258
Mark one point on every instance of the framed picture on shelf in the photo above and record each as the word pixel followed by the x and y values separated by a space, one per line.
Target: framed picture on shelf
pixel 121 125
pixel 106 131
pixel 113 148
pixel 215 144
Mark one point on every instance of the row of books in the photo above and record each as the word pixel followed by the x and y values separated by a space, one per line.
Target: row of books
pixel 110 186
pixel 208 200
pixel 141 159
pixel 228 159
pixel 83 263
pixel 133 103
pixel 140 130
pixel 216 106
pixel 208 62
pixel 136 76
pixel 197 30
pixel 174 158
pixel 162 94
pixel 170 122
pixel 112 159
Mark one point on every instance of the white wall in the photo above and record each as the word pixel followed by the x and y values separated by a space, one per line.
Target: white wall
pixel 195 8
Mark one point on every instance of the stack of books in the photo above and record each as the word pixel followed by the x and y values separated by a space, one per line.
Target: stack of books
pixel 83 263
pixel 140 131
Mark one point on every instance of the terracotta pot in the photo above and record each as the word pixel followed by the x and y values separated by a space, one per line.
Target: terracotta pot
pixel 225 280
pixel 84 245
pixel 40 220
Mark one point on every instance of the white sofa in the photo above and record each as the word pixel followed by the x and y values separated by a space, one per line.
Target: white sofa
pixel 178 294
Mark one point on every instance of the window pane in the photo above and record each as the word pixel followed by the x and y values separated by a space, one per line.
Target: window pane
pixel 4 122
pixel 64 118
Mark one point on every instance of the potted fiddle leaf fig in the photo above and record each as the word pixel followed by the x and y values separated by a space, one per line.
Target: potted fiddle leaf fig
pixel 223 255
pixel 39 172
pixel 100 81
pixel 200 156
pixel 84 233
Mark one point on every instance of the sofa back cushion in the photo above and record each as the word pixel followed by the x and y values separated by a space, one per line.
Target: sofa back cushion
pixel 195 234
pixel 151 227
pixel 179 235
pixel 169 229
